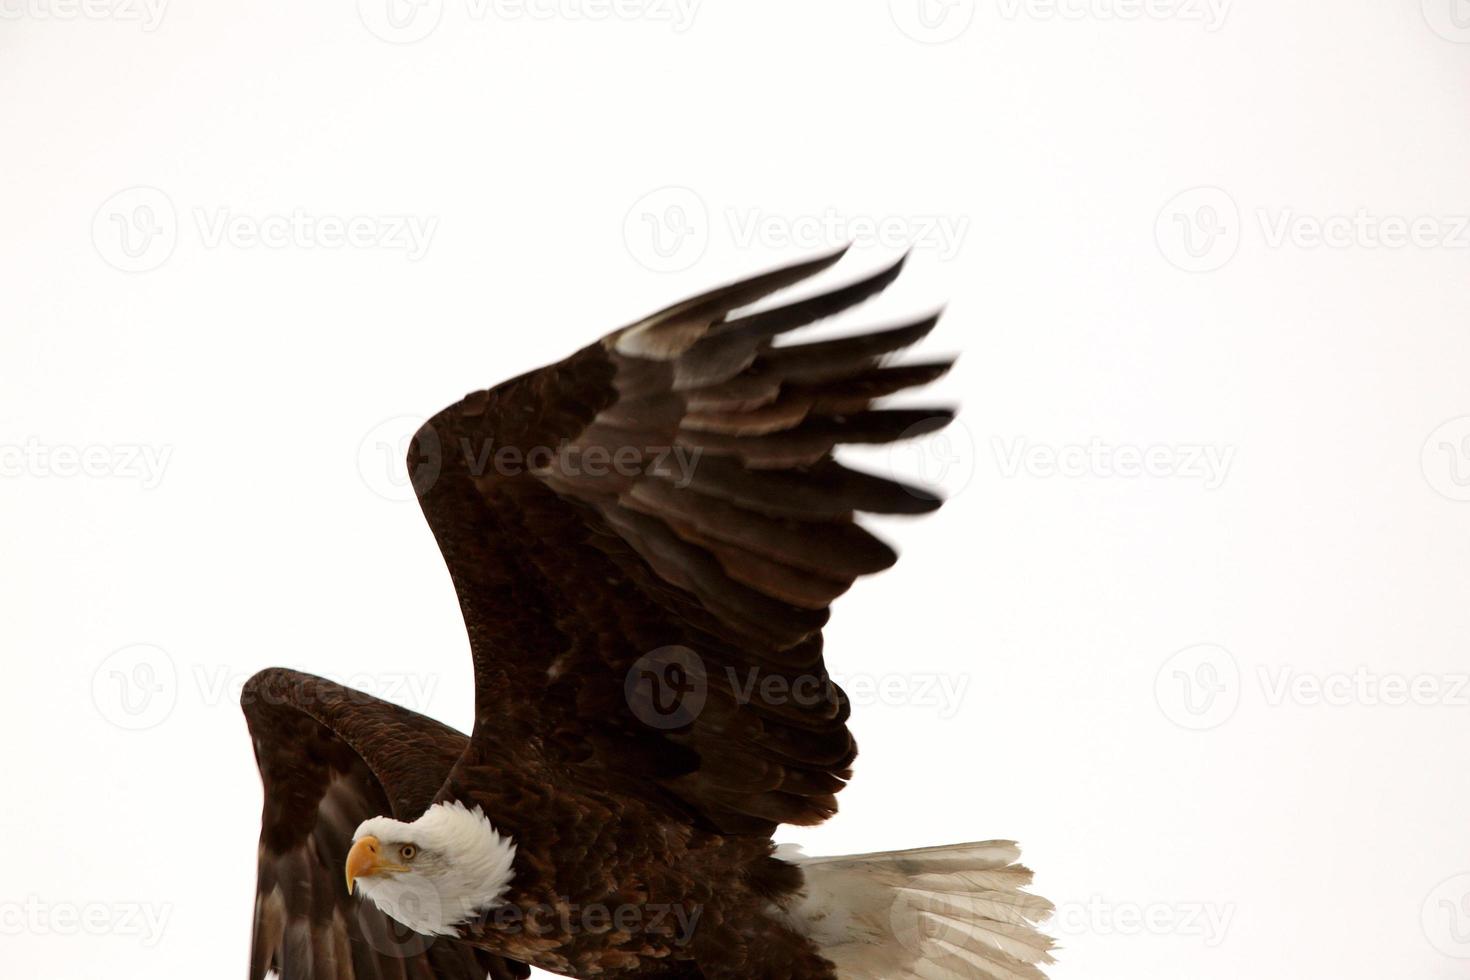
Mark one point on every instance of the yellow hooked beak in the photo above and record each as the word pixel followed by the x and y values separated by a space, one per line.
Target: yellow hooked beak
pixel 365 861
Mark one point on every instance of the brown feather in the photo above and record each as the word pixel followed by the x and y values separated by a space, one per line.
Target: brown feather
pixel 727 530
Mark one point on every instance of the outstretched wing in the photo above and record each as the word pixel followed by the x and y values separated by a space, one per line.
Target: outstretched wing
pixel 645 539
pixel 329 758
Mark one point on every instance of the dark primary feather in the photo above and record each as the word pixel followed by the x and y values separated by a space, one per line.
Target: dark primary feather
pixel 329 758
pixel 673 486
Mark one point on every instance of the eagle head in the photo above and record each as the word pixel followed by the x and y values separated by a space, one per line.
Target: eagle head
pixel 433 874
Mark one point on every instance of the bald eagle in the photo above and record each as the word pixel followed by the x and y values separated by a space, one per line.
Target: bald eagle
pixel 645 539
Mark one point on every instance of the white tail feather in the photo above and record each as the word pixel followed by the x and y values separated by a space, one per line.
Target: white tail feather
pixel 955 912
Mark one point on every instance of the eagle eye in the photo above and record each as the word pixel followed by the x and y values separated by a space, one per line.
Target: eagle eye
pixel 407 852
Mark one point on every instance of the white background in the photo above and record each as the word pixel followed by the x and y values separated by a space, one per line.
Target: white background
pixel 230 401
